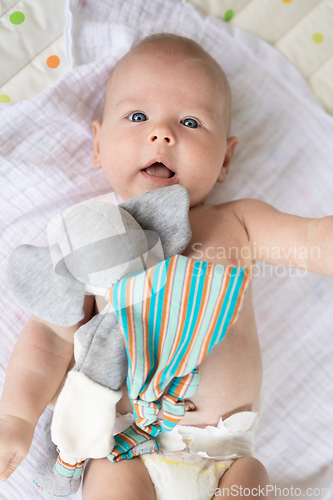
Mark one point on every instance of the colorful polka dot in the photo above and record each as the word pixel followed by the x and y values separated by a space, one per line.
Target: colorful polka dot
pixel 4 98
pixel 17 17
pixel 228 15
pixel 287 1
pixel 318 38
pixel 53 62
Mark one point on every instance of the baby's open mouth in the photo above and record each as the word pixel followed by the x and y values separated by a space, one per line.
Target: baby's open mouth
pixel 159 170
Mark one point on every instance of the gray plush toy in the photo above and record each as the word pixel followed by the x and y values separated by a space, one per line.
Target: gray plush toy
pixel 92 246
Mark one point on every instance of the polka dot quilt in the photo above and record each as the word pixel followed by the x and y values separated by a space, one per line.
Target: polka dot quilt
pixel 31 47
pixel 32 54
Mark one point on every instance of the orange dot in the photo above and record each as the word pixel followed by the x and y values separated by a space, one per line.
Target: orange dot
pixel 287 1
pixel 53 61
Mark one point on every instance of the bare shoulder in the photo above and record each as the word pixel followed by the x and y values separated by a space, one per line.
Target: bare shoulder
pixel 227 209
pixel 232 214
pixel 275 237
pixel 219 234
pixel 239 208
pixel 251 214
pixel 208 217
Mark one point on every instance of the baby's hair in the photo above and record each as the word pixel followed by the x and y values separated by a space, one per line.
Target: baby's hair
pixel 170 44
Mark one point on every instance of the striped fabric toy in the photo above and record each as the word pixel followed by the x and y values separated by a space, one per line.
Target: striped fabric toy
pixel 171 316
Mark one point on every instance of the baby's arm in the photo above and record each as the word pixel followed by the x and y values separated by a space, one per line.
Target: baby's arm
pixel 35 370
pixel 289 240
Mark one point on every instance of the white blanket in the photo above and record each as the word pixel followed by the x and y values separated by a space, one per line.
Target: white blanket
pixel 284 157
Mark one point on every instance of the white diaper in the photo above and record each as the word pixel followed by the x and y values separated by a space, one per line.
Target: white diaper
pixel 191 460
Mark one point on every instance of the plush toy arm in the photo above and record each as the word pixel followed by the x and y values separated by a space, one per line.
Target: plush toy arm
pixel 33 282
pixel 84 414
pixel 86 405
pixel 100 350
pixel 82 427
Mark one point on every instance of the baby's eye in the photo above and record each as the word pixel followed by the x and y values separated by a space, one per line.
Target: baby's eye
pixel 137 117
pixel 190 122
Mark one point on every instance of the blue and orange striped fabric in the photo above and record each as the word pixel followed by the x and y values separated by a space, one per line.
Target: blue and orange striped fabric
pixel 171 317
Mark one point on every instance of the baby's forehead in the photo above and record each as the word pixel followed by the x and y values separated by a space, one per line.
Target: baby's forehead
pixel 151 55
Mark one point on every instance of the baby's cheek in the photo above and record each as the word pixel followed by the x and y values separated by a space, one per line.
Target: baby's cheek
pixel 114 157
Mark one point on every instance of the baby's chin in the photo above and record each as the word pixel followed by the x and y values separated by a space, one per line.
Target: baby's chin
pixel 127 194
pixel 196 201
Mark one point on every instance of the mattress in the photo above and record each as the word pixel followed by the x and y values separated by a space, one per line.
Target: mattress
pixel 295 435
pixel 32 54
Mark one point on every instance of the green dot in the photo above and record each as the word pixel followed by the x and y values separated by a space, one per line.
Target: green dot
pixel 4 98
pixel 318 38
pixel 17 17
pixel 228 15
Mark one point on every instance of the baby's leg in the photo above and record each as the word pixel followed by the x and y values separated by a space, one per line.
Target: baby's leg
pixel 124 480
pixel 247 477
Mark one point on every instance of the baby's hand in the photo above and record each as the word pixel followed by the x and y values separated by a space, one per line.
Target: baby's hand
pixel 15 439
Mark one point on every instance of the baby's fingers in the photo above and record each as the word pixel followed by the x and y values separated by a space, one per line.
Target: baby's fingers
pixel 15 439
pixel 8 466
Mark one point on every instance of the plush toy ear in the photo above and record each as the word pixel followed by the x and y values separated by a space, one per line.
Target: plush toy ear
pixel 91 246
pixel 164 211
pixel 88 247
pixel 35 285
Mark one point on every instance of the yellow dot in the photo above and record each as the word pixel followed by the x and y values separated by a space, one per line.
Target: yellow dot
pixel 53 62
pixel 287 1
pixel 4 98
pixel 318 38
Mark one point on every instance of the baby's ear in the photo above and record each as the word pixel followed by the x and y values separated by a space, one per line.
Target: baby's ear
pixel 96 125
pixel 231 144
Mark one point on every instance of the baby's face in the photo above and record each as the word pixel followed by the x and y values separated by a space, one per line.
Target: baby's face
pixel 164 124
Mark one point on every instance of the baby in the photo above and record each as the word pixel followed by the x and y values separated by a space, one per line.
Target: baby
pixel 166 121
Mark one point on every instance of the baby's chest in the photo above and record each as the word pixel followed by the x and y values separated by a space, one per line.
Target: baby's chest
pixel 218 236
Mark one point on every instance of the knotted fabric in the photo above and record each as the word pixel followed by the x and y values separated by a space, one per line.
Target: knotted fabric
pixel 171 316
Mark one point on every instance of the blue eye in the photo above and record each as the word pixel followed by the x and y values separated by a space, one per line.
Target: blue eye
pixel 137 117
pixel 190 122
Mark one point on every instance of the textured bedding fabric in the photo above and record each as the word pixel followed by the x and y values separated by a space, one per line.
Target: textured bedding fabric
pixel 31 47
pixel 32 43
pixel 284 157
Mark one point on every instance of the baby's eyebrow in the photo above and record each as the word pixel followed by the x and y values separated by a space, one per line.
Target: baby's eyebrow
pixel 191 108
pixel 204 108
pixel 127 101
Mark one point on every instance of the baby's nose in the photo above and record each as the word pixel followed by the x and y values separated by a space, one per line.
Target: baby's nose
pixel 162 134
pixel 156 138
